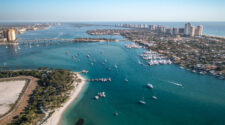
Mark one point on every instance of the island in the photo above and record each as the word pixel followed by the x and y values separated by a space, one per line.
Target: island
pixel 43 95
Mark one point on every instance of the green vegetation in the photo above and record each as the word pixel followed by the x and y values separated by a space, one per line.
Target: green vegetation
pixel 53 90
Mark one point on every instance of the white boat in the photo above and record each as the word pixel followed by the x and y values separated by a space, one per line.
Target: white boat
pixel 181 67
pixel 154 98
pixel 142 102
pixel 96 97
pixel 126 80
pixel 102 94
pixel 150 86
pixel 116 114
pixel 116 66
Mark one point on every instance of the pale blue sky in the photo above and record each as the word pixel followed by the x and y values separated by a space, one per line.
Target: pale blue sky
pixel 112 10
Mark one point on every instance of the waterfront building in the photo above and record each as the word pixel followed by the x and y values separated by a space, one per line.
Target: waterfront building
pixel 199 30
pixel 11 35
pixel 187 29
pixel 192 31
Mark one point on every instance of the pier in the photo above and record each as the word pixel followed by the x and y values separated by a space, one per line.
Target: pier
pixel 100 80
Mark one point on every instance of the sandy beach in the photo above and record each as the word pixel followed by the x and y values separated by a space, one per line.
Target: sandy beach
pixel 56 116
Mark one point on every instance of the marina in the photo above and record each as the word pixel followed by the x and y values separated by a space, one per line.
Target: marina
pixel 154 58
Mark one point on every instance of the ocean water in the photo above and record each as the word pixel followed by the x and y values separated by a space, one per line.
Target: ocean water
pixel 201 100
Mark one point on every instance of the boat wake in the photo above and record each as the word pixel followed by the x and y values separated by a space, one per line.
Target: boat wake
pixel 175 83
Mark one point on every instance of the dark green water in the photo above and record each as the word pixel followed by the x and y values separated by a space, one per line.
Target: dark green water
pixel 201 100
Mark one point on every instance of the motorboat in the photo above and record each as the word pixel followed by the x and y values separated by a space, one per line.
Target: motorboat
pixel 154 98
pixel 150 86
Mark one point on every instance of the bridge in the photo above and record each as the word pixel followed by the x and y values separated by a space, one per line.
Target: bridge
pixel 46 40
pixel 59 41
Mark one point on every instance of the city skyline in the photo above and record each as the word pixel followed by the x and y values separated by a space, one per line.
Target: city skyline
pixel 108 10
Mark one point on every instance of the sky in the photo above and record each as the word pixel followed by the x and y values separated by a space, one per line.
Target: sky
pixel 112 10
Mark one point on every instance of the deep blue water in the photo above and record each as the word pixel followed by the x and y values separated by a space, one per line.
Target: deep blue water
pixel 201 100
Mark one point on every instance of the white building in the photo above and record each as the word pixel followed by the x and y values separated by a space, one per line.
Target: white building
pixel 199 30
pixel 11 35
pixel 187 29
pixel 192 31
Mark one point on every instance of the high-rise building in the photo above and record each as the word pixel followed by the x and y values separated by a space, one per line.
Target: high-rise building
pixel 175 31
pixel 169 31
pixel 146 26
pixel 152 27
pixel 199 30
pixel 181 31
pixel 187 29
pixel 11 35
pixel 192 31
pixel 5 34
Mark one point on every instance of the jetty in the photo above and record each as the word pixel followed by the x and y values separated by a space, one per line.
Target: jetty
pixel 100 80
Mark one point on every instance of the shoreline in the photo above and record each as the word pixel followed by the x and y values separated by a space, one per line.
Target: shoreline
pixel 56 117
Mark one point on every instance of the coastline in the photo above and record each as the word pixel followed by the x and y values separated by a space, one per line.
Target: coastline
pixel 56 117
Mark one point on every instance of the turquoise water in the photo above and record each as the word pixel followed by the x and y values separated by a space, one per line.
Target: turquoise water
pixel 201 100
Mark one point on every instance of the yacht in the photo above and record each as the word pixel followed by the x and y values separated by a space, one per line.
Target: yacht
pixel 154 98
pixel 116 66
pixel 126 80
pixel 96 97
pixel 142 102
pixel 150 86
pixel 116 114
pixel 102 94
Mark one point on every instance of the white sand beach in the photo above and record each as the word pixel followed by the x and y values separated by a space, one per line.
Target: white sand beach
pixel 56 116
pixel 9 93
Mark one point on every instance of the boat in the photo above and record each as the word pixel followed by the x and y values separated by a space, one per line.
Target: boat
pixel 142 102
pixel 102 94
pixel 154 98
pixel 116 66
pixel 67 52
pixel 150 86
pixel 181 67
pixel 126 80
pixel 116 114
pixel 6 47
pixel 96 97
